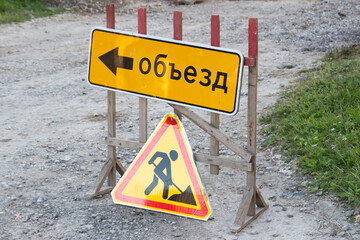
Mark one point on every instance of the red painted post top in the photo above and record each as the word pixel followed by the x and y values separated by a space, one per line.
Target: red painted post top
pixel 177 25
pixel 253 37
pixel 110 16
pixel 215 30
pixel 142 21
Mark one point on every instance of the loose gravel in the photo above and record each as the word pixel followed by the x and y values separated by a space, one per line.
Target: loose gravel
pixel 53 124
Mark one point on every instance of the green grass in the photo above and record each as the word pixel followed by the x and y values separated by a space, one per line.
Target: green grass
pixel 23 10
pixel 317 122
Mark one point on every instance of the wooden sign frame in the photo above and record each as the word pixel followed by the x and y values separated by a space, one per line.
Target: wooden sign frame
pixel 252 203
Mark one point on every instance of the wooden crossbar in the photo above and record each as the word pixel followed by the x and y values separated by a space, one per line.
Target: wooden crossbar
pixel 252 203
pixel 123 143
pixel 214 132
pixel 230 162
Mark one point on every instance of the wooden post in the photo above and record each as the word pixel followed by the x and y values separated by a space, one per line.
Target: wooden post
pixel 252 195
pixel 178 36
pixel 111 107
pixel 143 106
pixel 214 117
pixel 252 107
pixel 112 164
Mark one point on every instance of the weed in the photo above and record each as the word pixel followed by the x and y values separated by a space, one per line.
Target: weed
pixel 318 122
pixel 23 10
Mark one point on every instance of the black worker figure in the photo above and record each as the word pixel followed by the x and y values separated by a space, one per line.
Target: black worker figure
pixel 185 196
pixel 159 170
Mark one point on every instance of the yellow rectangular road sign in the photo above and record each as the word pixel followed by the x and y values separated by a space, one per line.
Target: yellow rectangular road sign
pixel 178 72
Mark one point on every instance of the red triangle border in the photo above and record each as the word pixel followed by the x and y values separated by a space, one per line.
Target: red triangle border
pixel 170 121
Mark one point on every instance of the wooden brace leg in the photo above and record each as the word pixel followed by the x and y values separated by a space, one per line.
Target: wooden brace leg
pixel 240 219
pixel 104 173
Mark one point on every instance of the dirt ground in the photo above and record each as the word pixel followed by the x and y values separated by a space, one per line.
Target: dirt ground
pixel 53 125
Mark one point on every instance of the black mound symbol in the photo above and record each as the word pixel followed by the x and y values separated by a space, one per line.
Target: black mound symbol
pixel 184 197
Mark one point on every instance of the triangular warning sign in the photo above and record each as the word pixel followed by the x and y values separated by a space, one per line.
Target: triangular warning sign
pixel 163 177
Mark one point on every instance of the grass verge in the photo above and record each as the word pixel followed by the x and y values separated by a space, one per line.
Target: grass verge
pixel 317 122
pixel 23 10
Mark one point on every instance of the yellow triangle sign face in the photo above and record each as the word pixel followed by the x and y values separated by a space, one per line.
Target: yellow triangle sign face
pixel 163 177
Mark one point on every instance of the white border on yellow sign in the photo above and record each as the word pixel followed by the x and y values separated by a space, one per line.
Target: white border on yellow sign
pixel 184 43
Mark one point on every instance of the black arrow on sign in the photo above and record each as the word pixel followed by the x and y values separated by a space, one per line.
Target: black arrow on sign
pixel 112 61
